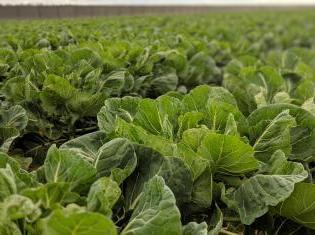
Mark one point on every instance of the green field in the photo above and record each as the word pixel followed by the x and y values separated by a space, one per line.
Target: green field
pixel 193 125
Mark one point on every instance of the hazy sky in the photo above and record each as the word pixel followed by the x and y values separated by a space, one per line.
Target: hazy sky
pixel 150 2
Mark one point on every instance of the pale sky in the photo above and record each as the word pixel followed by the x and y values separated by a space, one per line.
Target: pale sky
pixel 157 2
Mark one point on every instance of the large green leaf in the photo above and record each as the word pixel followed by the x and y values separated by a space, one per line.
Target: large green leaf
pixel 175 172
pixel 116 159
pixel 216 104
pixel 195 162
pixel 199 97
pixel 21 178
pixel 60 97
pixel 227 154
pixel 12 122
pixel 202 69
pixel 245 100
pixel 86 146
pixel 139 135
pixel 300 206
pixel 117 82
pixel 103 195
pixel 217 115
pixel 252 86
pixel 124 108
pixel 14 117
pixel 5 159
pixel 268 78
pixel 7 182
pixel 201 196
pixel 269 135
pixel 302 135
pixel 158 117
pixel 17 207
pixel 155 212
pixel 64 166
pixel 273 185
pixel 50 195
pixel 164 83
pixel 62 222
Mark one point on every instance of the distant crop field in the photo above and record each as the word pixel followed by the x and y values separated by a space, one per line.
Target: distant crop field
pixel 77 11
pixel 158 125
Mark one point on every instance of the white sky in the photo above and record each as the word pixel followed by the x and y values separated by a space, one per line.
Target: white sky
pixel 157 2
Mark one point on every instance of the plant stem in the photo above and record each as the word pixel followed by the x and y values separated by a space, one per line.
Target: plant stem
pixel 223 231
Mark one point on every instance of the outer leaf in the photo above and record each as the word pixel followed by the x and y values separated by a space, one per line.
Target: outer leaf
pixel 117 82
pixel 86 146
pixel 124 108
pixel 300 206
pixel 194 228
pixel 269 78
pixel 60 97
pixel 156 211
pixel 17 207
pixel 139 135
pixel 194 137
pixel 117 159
pixel 201 196
pixel 5 159
pixel 302 135
pixel 150 163
pixel 64 166
pixel 194 161
pixel 254 86
pixel 14 117
pixel 269 135
pixel 9 228
pixel 165 83
pixel 77 222
pixel 199 97
pixel 309 105
pixel 103 195
pixel 21 178
pixel 57 92
pixel 12 122
pixel 216 221
pixel 51 194
pixel 7 182
pixel 245 100
pixel 253 198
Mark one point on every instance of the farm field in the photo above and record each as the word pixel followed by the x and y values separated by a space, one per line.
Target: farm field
pixel 162 125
